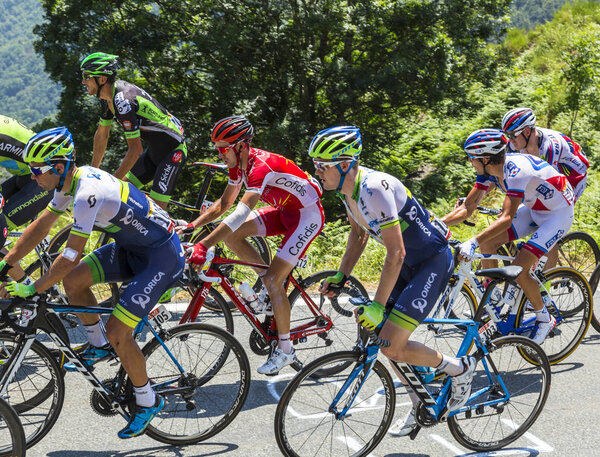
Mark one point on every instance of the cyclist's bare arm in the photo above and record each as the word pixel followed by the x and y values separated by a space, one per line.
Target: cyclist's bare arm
pixel 502 224
pixel 134 151
pixel 250 199
pixel 463 211
pixel 219 207
pixel 31 237
pixel 63 264
pixel 394 258
pixel 100 142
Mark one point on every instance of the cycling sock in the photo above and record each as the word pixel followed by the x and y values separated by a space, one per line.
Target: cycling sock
pixel 96 334
pixel 451 366
pixel 284 343
pixel 144 396
pixel 542 315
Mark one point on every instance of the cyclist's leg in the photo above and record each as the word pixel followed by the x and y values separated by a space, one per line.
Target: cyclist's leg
pixel 254 225
pixel 142 171
pixel 166 174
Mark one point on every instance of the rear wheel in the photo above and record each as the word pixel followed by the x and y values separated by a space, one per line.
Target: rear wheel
pixel 579 250
pixel 594 280
pixel 12 436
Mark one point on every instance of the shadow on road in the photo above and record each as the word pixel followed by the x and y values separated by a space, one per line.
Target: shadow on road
pixel 162 451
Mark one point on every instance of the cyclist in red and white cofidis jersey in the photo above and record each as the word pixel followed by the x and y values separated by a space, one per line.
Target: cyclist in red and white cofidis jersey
pixel 566 156
pixel 294 211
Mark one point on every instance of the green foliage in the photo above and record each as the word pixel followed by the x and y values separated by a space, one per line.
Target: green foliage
pixel 26 92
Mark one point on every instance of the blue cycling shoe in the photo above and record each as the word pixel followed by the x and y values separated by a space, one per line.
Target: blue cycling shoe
pixel 139 421
pixel 92 355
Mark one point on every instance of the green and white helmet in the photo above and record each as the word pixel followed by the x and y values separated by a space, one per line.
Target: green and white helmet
pixel 49 146
pixel 336 143
pixel 100 64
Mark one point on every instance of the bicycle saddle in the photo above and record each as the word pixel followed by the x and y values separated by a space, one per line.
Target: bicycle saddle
pixel 502 274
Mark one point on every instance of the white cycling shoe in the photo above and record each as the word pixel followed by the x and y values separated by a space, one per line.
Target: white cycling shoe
pixel 461 385
pixel 543 329
pixel 404 427
pixel 276 361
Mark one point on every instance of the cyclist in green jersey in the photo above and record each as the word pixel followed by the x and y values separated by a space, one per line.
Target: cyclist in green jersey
pixel 142 118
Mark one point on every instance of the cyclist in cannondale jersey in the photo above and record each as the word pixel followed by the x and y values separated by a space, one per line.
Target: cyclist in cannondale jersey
pixel 294 211
pixel 538 202
pixel 142 118
pixel 418 261
pixel 21 196
pixel 146 252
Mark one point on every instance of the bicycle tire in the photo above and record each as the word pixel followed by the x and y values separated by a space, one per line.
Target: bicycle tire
pixel 107 294
pixel 240 273
pixel 345 331
pixel 10 425
pixel 37 372
pixel 594 280
pixel 308 399
pixel 447 338
pixel 580 251
pixel 575 308
pixel 220 369
pixel 527 387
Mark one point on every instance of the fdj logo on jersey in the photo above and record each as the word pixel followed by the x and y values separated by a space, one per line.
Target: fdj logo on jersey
pixel 545 191
pixel 129 219
pixel 512 169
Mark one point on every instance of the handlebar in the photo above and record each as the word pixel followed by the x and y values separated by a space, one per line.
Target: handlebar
pixel 219 167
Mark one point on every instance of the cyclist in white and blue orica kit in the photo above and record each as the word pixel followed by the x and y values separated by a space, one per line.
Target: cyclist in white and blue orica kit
pixel 146 252
pixel 418 262
pixel 539 202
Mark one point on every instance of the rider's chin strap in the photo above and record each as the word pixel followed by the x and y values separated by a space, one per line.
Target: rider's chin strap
pixel 343 174
pixel 63 176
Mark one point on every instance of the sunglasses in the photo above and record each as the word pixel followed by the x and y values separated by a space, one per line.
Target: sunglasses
pixel 223 150
pixel 38 171
pixel 513 135
pixel 319 165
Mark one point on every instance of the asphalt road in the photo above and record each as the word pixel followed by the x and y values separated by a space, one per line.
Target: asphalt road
pixel 567 426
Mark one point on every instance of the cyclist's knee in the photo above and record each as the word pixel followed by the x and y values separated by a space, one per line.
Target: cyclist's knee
pixel 396 352
pixel 117 333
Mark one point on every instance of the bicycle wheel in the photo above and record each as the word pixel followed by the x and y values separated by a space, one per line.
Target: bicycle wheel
pixel 572 299
pixel 106 294
pixel 508 394
pixel 12 436
pixel 344 332
pixel 239 273
pixel 208 396
pixel 594 280
pixel 579 251
pixel 305 424
pixel 447 338
pixel 37 390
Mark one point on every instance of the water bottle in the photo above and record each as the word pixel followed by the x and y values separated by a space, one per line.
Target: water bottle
pixel 248 294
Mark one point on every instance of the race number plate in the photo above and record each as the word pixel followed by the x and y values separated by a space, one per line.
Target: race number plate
pixel 488 330
pixel 302 262
pixel 158 316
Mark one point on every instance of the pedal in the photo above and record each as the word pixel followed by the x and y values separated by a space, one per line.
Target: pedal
pixel 415 432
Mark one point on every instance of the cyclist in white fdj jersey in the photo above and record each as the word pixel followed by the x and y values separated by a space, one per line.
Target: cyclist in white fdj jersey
pixel 418 262
pixel 546 212
pixel 146 252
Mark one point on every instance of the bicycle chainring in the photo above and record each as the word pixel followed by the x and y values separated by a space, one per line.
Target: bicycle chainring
pixel 423 417
pixel 98 402
pixel 258 344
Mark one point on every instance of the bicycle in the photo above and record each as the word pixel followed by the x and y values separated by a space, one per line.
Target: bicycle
pixel 349 411
pixel 12 436
pixel 317 326
pixel 577 250
pixel 201 371
pixel 594 280
pixel 510 310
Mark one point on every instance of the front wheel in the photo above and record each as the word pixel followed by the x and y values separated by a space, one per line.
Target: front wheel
pixel 344 332
pixel 307 422
pixel 12 436
pixel 508 395
pixel 208 395
pixel 572 303
pixel 594 280
pixel 579 250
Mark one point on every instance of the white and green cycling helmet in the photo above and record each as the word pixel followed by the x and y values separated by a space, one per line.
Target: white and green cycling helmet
pixel 336 143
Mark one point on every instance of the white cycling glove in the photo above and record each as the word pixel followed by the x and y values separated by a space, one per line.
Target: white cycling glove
pixel 467 249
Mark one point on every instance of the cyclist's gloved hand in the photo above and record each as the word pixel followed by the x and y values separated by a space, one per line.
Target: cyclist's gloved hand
pixel 334 283
pixel 184 229
pixel 4 267
pixel 370 316
pixel 467 249
pixel 18 289
pixel 197 256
